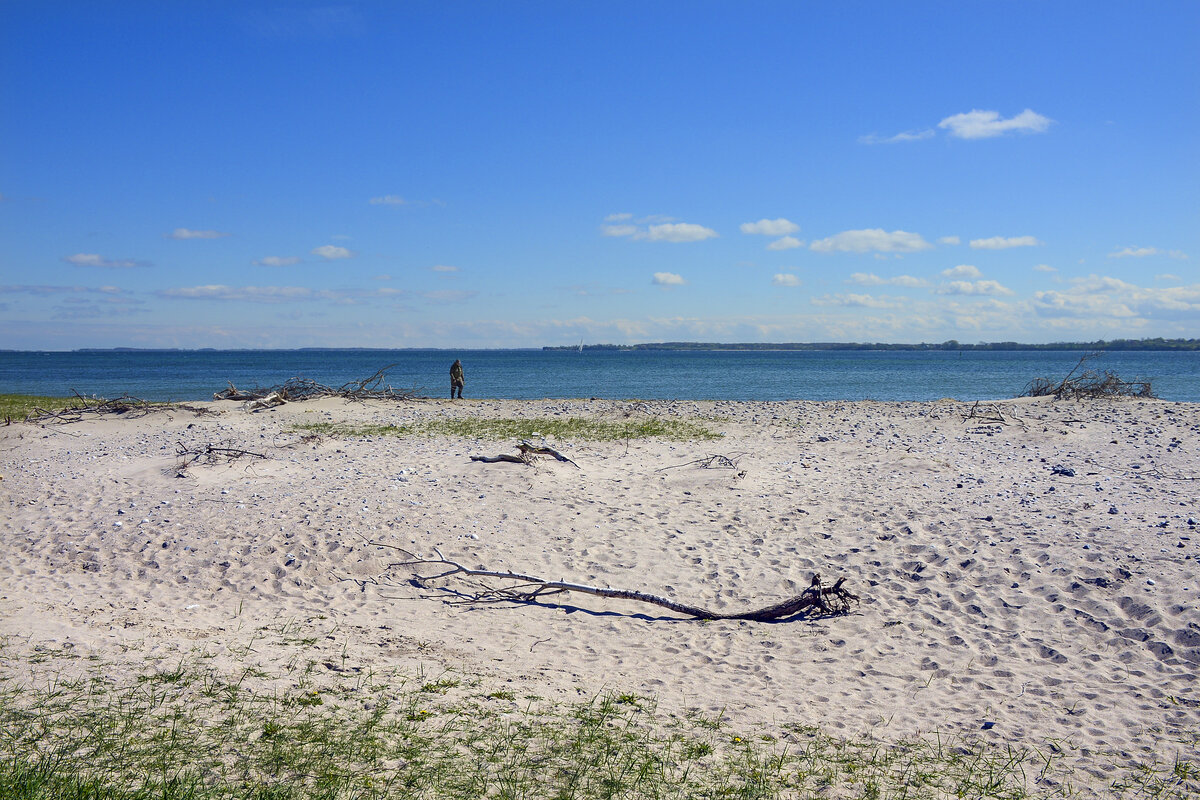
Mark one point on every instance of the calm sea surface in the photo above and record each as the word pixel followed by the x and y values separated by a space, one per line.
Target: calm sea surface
pixel 820 375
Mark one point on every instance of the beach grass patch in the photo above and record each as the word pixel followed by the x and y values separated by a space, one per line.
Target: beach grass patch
pixel 345 430
pixel 18 406
pixel 197 733
pixel 569 428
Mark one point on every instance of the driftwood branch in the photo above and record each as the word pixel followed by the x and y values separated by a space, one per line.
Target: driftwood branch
pixel 715 461
pixel 527 454
pixel 990 414
pixel 210 453
pixel 515 587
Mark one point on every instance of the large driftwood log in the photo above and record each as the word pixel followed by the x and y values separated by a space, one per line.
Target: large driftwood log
pixel 818 598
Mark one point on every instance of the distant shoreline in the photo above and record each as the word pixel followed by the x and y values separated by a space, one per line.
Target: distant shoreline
pixel 951 345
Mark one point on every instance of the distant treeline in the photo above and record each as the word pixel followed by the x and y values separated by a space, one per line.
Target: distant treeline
pixel 1114 344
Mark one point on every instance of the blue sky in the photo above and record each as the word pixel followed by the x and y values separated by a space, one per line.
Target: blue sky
pixel 441 174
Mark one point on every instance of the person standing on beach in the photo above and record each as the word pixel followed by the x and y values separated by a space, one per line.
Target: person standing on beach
pixel 456 379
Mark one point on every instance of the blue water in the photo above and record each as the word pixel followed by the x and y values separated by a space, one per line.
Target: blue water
pixel 802 375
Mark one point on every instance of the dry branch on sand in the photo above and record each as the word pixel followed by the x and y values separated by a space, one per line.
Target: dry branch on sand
pixel 988 418
pixel 715 461
pixel 527 454
pixel 1087 385
pixel 819 599
pixel 131 407
pixel 300 389
pixel 210 453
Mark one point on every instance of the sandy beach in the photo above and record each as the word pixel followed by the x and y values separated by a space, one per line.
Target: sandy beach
pixel 1027 569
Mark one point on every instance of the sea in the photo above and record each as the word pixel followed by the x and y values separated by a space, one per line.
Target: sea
pixel 889 375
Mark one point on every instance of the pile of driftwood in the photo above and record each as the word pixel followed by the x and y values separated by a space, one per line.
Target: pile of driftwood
pixel 299 389
pixel 127 406
pixel 1088 384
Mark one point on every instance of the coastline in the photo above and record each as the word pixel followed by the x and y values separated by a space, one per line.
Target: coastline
pixel 1002 599
pixel 648 375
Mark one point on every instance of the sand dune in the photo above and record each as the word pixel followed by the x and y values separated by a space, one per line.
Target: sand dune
pixel 1029 579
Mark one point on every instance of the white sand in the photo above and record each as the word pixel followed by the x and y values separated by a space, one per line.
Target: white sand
pixel 999 600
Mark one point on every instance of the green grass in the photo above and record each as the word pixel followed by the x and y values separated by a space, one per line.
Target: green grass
pixel 191 733
pixel 572 428
pixel 18 406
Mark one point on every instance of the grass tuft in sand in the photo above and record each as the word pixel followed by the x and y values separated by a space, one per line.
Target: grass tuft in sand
pixel 17 406
pixel 572 428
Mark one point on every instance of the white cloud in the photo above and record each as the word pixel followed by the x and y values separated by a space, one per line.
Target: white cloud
pixel 258 294
pixel 275 294
pixel 96 260
pixel 389 200
pixel 89 260
pixel 621 217
pixel 973 288
pixel 857 301
pixel 1003 242
pixel 444 297
pixel 871 279
pixel 770 227
pixel 963 271
pixel 1099 296
pixel 1080 304
pixel 668 279
pixel 443 268
pixel 658 229
pixel 904 136
pixel 1142 252
pixel 1044 268
pixel 978 124
pixel 276 261
pixel 1135 252
pixel 86 308
pixel 949 240
pixel 1095 284
pixel 863 241
pixel 186 233
pixel 332 252
pixel 785 243
pixel 785 279
pixel 676 232
pixel 1167 276
pixel 53 290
